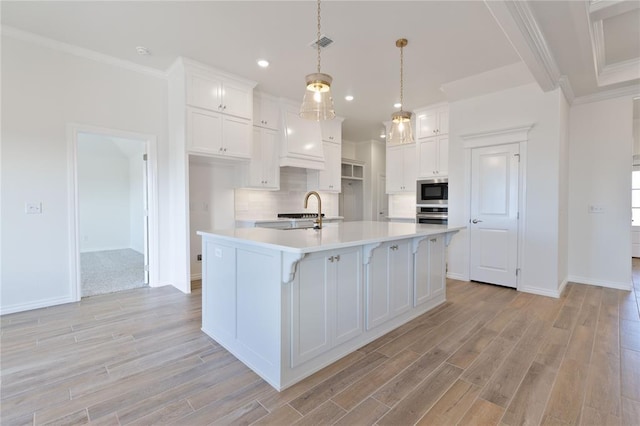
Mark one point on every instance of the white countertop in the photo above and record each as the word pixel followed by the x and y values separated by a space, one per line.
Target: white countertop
pixel 331 236
pixel 285 219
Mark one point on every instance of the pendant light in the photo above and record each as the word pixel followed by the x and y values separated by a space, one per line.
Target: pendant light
pixel 401 120
pixel 317 103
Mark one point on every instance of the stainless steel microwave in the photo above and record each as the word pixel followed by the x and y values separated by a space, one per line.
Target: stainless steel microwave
pixel 433 191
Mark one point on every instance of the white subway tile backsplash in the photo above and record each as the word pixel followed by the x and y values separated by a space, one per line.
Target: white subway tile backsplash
pixel 256 204
pixel 402 205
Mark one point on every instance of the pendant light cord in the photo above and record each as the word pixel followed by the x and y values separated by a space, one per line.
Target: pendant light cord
pixel 401 77
pixel 318 41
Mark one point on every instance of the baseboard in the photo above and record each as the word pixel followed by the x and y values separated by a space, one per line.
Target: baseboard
pixel 608 284
pixel 196 277
pixel 35 305
pixel 562 286
pixel 540 291
pixel 103 249
pixel 455 276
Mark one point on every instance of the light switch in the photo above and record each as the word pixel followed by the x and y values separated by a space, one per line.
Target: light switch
pixel 596 209
pixel 33 208
pixel 218 252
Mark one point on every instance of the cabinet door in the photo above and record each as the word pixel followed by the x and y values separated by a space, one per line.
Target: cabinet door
pixel 329 179
pixel 427 157
pixel 236 136
pixel 348 295
pixel 219 290
pixel 437 278
pixel 331 131
pixel 426 124
pixel 270 166
pixel 443 121
pixel 443 155
pixel 204 131
pixel 266 113
pixel 204 91
pixel 310 322
pixel 377 287
pixel 400 277
pixel 237 99
pixel 421 280
pixel 256 178
pixel 409 168
pixel 395 177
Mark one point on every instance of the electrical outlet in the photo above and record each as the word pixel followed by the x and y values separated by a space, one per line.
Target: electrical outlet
pixel 33 208
pixel 199 258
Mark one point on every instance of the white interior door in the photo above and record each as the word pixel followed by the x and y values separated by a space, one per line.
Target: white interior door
pixel 635 211
pixel 383 199
pixel 494 214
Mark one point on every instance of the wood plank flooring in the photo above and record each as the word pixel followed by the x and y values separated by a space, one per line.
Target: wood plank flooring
pixel 488 356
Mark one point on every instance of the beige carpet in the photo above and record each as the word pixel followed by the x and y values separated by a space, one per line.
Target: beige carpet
pixel 110 271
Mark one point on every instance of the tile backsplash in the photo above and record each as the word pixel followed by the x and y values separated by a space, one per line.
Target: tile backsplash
pixel 257 204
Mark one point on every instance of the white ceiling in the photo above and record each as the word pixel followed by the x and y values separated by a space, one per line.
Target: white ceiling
pixel 448 41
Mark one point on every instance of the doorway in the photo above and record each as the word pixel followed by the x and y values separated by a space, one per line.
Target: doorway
pixel 112 202
pixel 350 203
pixel 635 183
pixel 112 211
pixel 383 199
pixel 494 214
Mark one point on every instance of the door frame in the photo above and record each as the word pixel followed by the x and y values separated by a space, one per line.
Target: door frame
pixel 151 148
pixel 519 135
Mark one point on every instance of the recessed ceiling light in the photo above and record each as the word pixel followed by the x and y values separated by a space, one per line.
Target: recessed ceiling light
pixel 397 105
pixel 263 63
pixel 348 98
pixel 142 50
pixel 383 135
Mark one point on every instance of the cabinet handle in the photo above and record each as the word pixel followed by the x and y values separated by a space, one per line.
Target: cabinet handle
pixel 220 149
pixel 220 106
pixel 433 240
pixel 338 258
pixel 331 259
pixel 394 247
pixel 225 150
pixel 224 107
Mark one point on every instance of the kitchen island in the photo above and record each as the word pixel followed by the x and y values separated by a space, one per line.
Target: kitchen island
pixel 289 302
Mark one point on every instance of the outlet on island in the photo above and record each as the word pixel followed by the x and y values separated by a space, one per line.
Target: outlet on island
pixel 199 258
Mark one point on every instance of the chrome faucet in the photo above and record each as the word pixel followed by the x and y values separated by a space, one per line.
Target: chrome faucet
pixel 318 221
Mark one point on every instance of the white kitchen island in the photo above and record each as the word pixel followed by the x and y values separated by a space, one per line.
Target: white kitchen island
pixel 289 302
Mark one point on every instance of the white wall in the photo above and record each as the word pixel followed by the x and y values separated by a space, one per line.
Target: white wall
pixel 636 136
pixel 510 108
pixel 563 195
pixel 258 204
pixel 42 91
pixel 211 201
pixel 103 195
pixel 600 150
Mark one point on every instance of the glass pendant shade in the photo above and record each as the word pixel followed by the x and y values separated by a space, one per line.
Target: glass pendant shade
pixel 318 103
pixel 401 128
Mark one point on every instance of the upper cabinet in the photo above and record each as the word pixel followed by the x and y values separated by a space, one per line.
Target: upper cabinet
pixel 220 94
pixel 432 133
pixel 266 111
pixel 210 112
pixel 432 122
pixel 401 168
pixel 332 130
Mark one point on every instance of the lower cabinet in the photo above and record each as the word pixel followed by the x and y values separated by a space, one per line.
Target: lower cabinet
pixel 389 282
pixel 429 270
pixel 326 302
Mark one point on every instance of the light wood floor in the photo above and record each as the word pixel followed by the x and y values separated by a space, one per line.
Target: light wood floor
pixel 489 355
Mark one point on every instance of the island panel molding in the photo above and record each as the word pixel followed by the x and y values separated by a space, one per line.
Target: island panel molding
pixel 289 302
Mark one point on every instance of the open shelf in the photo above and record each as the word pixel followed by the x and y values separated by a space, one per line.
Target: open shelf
pixel 352 170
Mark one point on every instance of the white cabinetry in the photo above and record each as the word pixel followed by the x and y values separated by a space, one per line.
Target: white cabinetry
pixel 263 169
pixel 329 179
pixel 266 111
pixel 326 303
pixel 432 132
pixel 389 282
pixel 429 270
pixel 432 122
pixel 401 168
pixel 433 156
pixel 218 134
pixel 221 94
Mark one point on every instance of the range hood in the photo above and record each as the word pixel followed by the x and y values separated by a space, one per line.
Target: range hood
pixel 301 140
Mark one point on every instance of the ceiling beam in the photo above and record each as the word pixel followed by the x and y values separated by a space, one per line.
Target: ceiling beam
pixel 604 9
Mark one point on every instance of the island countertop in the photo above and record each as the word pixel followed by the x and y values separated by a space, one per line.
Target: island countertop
pixel 331 236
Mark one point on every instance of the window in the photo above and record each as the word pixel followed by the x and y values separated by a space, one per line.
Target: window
pixel 635 198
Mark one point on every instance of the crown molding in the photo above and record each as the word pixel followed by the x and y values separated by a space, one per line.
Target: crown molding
pixel 21 35
pixel 497 136
pixel 567 90
pixel 633 90
pixel 521 28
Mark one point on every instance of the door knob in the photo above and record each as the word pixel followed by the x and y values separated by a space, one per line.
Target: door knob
pixel 476 221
